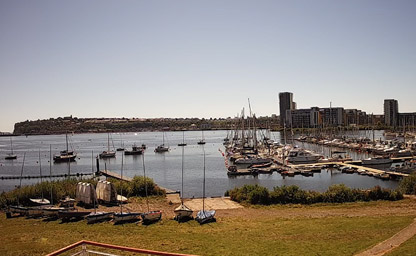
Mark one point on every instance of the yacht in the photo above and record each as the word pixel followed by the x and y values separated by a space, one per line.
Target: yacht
pixel 377 160
pixel 302 156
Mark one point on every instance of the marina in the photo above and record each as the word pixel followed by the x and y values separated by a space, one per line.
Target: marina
pixel 165 168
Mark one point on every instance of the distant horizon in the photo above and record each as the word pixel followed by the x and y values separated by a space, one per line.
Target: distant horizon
pixel 172 117
pixel 179 59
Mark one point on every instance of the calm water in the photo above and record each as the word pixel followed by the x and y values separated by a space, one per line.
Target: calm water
pixel 164 168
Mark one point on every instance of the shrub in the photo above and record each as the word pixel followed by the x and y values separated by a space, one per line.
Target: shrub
pixel 408 185
pixel 340 193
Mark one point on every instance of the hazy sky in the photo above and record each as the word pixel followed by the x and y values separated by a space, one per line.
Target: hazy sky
pixel 202 58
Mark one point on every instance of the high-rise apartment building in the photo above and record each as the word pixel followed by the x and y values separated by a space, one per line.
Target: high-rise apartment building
pixel 285 103
pixel 391 112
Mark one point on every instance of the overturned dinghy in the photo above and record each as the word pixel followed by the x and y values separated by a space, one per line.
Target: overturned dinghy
pixel 205 216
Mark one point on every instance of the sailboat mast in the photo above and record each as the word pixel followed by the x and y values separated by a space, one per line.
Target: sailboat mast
pixel 108 142
pixel 21 174
pixel 40 170
pixel 11 144
pixel 121 187
pixel 145 183
pixel 66 138
pixel 203 189
pixel 50 171
pixel 183 150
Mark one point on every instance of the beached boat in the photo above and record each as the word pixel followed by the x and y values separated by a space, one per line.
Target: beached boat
pixel 95 217
pixel 149 216
pixel 42 200
pixel 205 216
pixel 121 217
pixel 182 212
pixel 73 214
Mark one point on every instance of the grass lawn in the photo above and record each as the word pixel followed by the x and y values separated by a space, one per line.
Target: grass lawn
pixel 230 235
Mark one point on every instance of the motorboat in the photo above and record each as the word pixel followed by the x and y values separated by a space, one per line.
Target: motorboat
pixel 161 148
pixel 302 156
pixel 377 160
pixel 135 150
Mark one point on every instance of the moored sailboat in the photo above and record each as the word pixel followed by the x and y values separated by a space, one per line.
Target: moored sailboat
pixel 202 141
pixel 162 148
pixel 108 153
pixel 11 155
pixel 65 155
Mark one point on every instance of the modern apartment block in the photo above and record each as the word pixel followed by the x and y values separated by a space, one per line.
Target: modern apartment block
pixel 391 112
pixel 285 103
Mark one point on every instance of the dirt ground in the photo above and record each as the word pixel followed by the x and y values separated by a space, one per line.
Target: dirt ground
pixel 227 208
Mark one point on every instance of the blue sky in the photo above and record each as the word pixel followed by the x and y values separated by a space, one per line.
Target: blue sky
pixel 202 58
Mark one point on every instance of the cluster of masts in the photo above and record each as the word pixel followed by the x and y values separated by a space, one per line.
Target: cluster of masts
pixel 87 194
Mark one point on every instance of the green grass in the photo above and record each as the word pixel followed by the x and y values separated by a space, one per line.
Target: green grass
pixel 408 248
pixel 229 236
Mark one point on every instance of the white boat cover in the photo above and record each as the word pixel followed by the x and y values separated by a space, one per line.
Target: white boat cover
pixel 86 193
pixel 105 191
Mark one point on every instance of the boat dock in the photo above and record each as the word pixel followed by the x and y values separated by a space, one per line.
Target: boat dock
pixel 45 176
pixel 113 175
pixel 353 165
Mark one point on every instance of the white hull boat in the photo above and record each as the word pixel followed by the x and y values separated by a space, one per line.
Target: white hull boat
pixel 302 156
pixel 183 212
pixel 375 161
pixel 40 201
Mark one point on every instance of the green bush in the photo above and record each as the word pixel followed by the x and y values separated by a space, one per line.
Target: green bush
pixel 255 194
pixel 137 187
pixel 408 185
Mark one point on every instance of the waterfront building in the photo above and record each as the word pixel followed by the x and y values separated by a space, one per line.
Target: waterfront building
pixel 333 116
pixel 355 117
pixel 391 112
pixel 407 119
pixel 285 103
pixel 303 118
